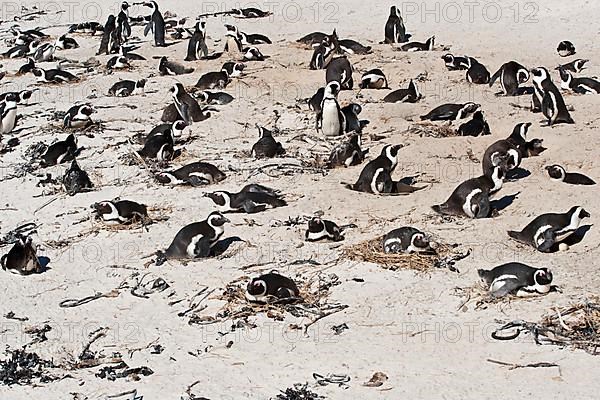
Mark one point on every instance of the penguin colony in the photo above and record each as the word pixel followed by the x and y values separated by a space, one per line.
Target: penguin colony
pixel 334 122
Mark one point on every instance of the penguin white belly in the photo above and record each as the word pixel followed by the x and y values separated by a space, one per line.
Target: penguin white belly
pixel 191 248
pixel 538 237
pixel 374 187
pixel 331 125
pixel 317 235
pixel 9 121
pixel 467 207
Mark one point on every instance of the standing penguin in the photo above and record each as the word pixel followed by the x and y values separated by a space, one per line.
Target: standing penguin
pixel 472 197
pixel 322 55
pixel 549 229
pixel 123 22
pixel 516 278
pixel 8 113
pixel 552 103
pixel 107 43
pixel 186 105
pixel 395 32
pixel 266 146
pixel 331 120
pixel 511 75
pixel 156 24
pixel 340 70
pixel 197 47
pixel 194 240
pixel 21 258
pixel 272 285
pixel 233 43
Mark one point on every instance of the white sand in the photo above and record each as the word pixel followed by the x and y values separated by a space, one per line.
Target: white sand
pixel 401 323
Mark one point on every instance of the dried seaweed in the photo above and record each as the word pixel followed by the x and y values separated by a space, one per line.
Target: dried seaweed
pixel 372 251
pixel 432 130
pixel 121 370
pixel 298 392
pixel 22 367
pixel 576 327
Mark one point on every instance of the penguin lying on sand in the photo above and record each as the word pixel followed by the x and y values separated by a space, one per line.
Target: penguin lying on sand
pixel 517 279
pixel 251 199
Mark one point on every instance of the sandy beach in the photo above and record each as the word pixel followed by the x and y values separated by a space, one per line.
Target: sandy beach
pixel 414 327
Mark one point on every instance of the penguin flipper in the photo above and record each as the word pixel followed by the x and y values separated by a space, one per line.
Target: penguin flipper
pixel 504 287
pixel 518 236
pixel 494 77
pixel 441 209
pixel 549 241
pixel 251 207
pixel 202 248
pixel 147 28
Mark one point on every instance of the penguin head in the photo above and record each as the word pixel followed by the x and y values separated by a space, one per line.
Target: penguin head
pixel 579 213
pixel 71 140
pixel 177 89
pixel 332 89
pixel 257 287
pixel 103 207
pixel 11 99
pixel 86 110
pixel 391 152
pixel 448 58
pixel 470 107
pixel 478 115
pixel 164 177
pixel 356 108
pixel 263 132
pixel 315 224
pixel 556 172
pixel 220 198
pixel 124 6
pixel 38 72
pixel 25 95
pixel 535 147
pixel 231 30
pixel 152 5
pixel 540 74
pixel 216 219
pixel 419 240
pixel 542 277
pixel 141 83
pixel 178 127
pixel 203 96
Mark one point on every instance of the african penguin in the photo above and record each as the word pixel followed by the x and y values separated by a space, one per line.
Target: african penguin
pixel 188 108
pixel 395 32
pixel 552 103
pixel 373 79
pixel 195 174
pixel 350 46
pixel 250 12
pixel 517 279
pixel 126 88
pixel 121 211
pixel 340 70
pixel 347 153
pixel 578 85
pixel 322 55
pixel 319 229
pixel 76 180
pixel 477 126
pixel 44 52
pixel 27 67
pixel 220 79
pixel 65 43
pixel 511 75
pixel 405 240
pixel 123 21
pixel 118 62
pixel 558 173
pixel 87 27
pixel 108 43
pixel 214 98
pixel 266 146
pixel 314 103
pixel 8 113
pixel 197 48
pixel 376 175
pixel 166 67
pixel 451 112
pixel 248 200
pixel 508 151
pixel 455 63
pixel 574 66
pixel 418 46
pixel 549 229
pixel 254 38
pixel 159 147
pixel 194 240
pixel 156 24
pixel 476 72
pixel 409 95
pixel 60 152
pixel 53 75
pixel 353 122
pixel 471 198
pixel 272 285
pixel 21 258
pixel 78 116
pixel 330 119
pixel 174 129
pixel 565 48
